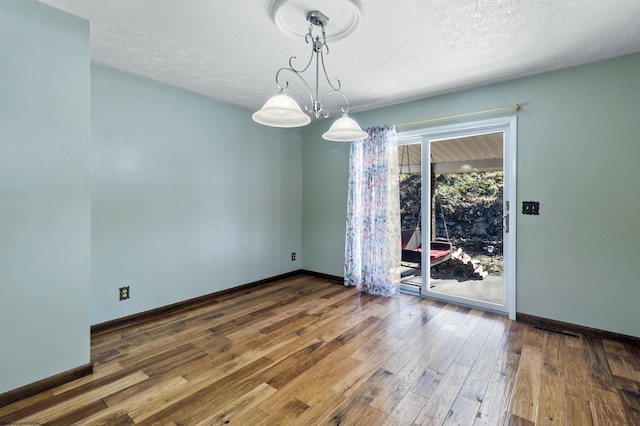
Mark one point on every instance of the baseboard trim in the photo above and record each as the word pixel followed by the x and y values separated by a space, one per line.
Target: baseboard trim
pixel 566 326
pixel 134 319
pixel 45 384
pixel 334 278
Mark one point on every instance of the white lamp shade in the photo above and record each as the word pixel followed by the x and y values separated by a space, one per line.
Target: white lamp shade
pixel 345 129
pixel 281 111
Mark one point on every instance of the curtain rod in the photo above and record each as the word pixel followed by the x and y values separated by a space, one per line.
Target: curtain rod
pixel 515 106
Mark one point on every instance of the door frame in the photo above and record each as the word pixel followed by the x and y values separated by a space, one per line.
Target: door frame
pixel 509 127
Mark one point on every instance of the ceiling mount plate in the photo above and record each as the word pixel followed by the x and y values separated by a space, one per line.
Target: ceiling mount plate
pixel 290 16
pixel 317 18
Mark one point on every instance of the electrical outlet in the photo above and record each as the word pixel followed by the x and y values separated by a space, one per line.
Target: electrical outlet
pixel 531 207
pixel 124 293
pixel 293 256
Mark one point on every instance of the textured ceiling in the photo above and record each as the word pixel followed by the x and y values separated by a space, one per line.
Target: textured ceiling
pixel 402 50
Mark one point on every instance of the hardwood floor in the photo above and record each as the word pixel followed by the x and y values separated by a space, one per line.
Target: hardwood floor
pixel 304 351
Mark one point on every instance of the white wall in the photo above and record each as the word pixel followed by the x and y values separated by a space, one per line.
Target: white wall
pixel 190 196
pixel 578 151
pixel 44 192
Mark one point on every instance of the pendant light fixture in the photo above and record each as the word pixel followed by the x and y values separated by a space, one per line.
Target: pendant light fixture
pixel 283 111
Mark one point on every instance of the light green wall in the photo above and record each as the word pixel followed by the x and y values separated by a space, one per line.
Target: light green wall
pixel 44 192
pixel 190 196
pixel 578 150
pixel 179 195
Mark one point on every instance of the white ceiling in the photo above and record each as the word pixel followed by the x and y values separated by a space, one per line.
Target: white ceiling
pixel 402 50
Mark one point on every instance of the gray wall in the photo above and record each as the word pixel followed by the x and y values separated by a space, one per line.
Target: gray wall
pixel 189 195
pixel 578 149
pixel 45 192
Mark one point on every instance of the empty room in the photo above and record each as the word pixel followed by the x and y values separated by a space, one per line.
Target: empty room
pixel 217 212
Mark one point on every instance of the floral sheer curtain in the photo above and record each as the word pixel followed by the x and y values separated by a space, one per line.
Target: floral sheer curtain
pixel 372 242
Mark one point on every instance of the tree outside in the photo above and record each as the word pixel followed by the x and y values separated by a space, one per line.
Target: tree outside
pixel 470 204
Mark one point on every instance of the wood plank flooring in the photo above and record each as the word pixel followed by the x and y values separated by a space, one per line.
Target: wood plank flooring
pixel 305 351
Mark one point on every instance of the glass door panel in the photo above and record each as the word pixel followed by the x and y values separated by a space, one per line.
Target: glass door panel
pixel 410 185
pixel 465 208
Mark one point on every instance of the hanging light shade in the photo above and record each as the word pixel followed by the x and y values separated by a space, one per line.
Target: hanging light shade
pixel 345 129
pixel 281 111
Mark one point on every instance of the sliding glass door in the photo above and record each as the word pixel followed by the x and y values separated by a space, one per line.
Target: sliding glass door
pixel 462 247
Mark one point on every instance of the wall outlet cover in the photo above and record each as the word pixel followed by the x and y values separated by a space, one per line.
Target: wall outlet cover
pixel 124 293
pixel 531 207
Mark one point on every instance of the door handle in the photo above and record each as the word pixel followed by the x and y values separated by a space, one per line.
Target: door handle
pixel 505 223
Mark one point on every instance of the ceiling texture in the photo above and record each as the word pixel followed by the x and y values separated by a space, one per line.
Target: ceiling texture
pixel 390 51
